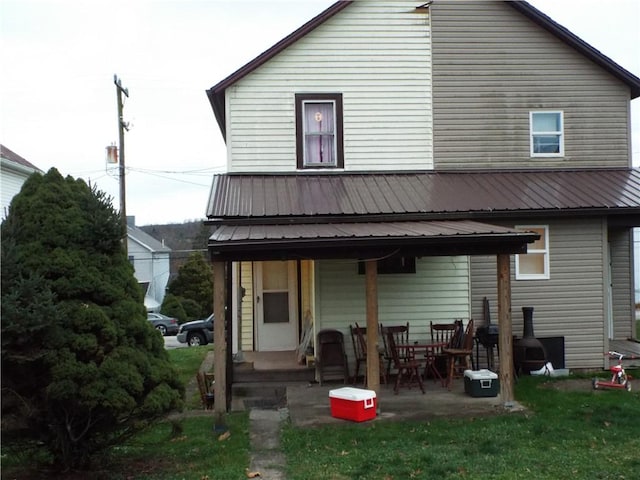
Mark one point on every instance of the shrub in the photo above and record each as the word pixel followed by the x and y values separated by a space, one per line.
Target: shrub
pixel 172 306
pixel 194 282
pixel 81 366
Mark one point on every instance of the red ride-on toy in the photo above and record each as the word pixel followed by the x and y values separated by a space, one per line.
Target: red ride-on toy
pixel 619 378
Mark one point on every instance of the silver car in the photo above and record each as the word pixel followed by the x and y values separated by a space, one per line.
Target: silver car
pixel 165 325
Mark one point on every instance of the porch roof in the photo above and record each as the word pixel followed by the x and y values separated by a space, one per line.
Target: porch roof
pixel 330 197
pixel 364 240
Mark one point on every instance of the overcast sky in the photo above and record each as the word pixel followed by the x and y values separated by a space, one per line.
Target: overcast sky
pixel 58 100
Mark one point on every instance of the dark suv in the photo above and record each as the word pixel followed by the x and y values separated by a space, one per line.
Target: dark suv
pixel 197 332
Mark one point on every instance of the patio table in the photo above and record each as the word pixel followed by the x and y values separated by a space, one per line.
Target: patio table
pixel 429 349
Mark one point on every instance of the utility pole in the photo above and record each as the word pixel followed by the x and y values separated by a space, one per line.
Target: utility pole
pixel 122 126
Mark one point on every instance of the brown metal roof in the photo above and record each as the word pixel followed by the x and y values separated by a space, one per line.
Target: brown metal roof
pixel 353 240
pixel 304 198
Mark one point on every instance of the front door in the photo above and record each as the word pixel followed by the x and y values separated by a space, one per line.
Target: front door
pixel 276 306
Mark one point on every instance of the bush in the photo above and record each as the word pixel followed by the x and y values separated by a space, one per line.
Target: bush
pixel 82 368
pixel 194 283
pixel 172 306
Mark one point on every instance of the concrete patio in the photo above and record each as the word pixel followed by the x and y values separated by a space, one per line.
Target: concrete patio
pixel 309 405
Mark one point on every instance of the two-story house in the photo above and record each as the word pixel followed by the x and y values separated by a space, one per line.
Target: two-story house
pixel 395 161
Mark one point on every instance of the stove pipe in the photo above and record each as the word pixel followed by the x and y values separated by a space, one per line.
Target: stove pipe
pixel 527 314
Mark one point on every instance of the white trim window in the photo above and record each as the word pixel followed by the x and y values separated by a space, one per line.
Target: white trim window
pixel 534 265
pixel 547 133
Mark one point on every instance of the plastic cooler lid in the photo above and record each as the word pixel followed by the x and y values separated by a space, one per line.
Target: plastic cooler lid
pixel 350 393
pixel 482 374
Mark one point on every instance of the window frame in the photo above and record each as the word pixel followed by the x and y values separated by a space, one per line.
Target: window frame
pixel 559 133
pixel 336 99
pixel 545 275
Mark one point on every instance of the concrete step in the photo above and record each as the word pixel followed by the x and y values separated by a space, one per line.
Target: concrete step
pixel 264 395
pixel 248 375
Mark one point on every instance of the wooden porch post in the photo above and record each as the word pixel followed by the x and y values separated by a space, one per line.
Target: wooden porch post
pixel 373 367
pixel 219 343
pixel 505 330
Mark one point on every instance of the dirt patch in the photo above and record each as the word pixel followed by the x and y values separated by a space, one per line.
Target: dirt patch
pixel 569 385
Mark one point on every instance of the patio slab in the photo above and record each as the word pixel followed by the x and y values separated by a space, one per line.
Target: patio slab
pixel 309 405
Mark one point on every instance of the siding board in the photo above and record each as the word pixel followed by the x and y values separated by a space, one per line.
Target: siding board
pixel 246 281
pixel 377 54
pixel 492 66
pixel 438 291
pixel 570 304
pixel 621 284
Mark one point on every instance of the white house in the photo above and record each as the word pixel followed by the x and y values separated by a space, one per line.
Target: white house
pixel 151 260
pixel 15 171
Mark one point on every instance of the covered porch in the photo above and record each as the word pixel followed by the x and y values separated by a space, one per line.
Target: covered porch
pixel 367 242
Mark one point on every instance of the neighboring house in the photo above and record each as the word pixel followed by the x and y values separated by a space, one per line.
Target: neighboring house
pixel 15 171
pixel 427 138
pixel 151 261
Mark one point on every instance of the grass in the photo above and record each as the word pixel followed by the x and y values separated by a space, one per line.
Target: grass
pixel 187 361
pixel 563 434
pixel 566 434
pixel 189 449
pixel 181 447
pixel 185 447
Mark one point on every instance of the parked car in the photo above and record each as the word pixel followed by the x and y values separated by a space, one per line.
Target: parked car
pixel 197 332
pixel 165 325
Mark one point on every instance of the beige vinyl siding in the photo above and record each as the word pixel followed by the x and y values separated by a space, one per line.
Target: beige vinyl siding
pixel 620 242
pixel 492 66
pixel 438 291
pixel 246 281
pixel 570 304
pixel 376 53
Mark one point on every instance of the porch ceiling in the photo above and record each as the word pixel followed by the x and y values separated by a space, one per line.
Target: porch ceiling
pixel 364 240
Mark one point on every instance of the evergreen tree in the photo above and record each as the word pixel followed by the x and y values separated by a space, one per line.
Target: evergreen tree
pixel 194 283
pixel 81 366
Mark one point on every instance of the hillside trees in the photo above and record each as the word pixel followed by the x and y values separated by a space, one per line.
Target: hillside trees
pixel 81 365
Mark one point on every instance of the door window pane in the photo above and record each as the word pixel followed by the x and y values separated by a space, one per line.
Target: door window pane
pixel 275 276
pixel 276 307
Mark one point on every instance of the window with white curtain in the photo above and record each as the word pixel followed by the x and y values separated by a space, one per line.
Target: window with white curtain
pixel 534 265
pixel 319 130
pixel 547 135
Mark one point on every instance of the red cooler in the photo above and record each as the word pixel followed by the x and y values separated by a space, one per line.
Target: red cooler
pixel 354 404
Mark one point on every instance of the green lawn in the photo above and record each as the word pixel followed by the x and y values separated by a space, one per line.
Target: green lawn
pixel 563 434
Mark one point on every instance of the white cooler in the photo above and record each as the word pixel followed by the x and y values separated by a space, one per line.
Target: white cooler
pixel 481 383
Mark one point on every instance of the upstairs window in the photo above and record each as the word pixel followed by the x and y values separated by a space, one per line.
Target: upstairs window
pixel 547 137
pixel 319 131
pixel 534 265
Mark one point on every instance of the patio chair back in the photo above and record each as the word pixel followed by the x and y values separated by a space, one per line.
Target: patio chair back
pixel 332 356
